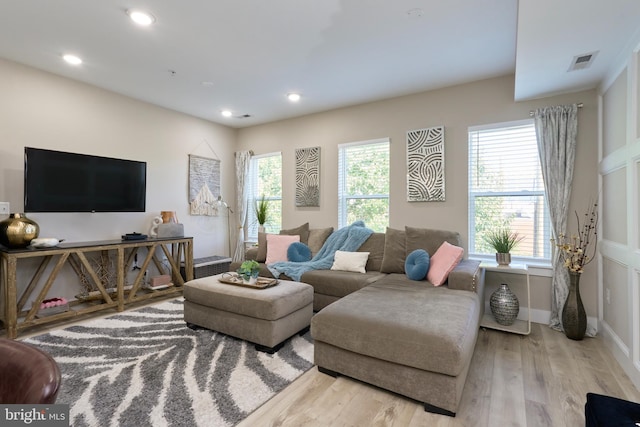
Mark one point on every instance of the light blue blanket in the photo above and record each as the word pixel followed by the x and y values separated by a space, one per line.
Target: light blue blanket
pixel 348 239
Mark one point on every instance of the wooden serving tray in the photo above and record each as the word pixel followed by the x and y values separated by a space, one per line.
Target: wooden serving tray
pixel 234 279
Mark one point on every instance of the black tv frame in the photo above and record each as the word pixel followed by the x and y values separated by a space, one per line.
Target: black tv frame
pixel 59 181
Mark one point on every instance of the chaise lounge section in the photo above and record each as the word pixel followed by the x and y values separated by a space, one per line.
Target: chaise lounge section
pixel 406 336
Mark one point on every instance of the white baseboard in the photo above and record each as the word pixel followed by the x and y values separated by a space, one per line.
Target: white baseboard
pixel 541 316
pixel 613 338
pixel 621 353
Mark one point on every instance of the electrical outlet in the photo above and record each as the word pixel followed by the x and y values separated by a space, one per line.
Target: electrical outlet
pixel 608 295
pixel 5 208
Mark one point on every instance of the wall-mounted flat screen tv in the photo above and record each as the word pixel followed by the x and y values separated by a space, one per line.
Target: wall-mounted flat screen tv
pixel 55 181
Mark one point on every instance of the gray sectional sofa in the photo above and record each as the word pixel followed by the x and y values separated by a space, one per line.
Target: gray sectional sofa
pixel 382 328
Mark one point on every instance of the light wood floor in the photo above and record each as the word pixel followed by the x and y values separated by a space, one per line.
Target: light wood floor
pixel 534 381
pixel 538 380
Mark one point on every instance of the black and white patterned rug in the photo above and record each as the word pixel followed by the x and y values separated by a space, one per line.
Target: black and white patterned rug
pixel 146 368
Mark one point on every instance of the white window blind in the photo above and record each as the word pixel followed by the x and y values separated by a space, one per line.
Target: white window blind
pixel 363 183
pixel 506 189
pixel 265 179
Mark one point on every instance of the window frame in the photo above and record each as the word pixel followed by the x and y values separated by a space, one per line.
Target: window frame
pixel 251 225
pixel 343 198
pixel 472 195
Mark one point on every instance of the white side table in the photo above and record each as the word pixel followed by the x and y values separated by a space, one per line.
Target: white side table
pixel 522 327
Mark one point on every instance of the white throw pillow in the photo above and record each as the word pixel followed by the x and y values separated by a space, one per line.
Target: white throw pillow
pixel 350 261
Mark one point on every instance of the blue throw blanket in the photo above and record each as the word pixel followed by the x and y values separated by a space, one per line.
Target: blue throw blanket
pixel 347 239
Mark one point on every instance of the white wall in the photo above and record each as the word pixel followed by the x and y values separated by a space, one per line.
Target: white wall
pixel 456 108
pixel 43 110
pixel 620 213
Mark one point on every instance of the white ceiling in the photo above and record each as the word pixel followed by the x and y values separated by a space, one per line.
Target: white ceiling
pixel 334 52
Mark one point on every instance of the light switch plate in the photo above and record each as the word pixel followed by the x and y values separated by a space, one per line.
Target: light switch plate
pixel 4 208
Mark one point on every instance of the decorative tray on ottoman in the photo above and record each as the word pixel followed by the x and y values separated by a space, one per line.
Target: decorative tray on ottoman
pixel 235 279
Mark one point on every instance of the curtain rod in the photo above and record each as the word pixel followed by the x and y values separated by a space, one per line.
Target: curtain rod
pixel 531 113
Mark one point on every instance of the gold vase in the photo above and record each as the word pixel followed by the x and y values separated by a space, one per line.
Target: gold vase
pixel 18 231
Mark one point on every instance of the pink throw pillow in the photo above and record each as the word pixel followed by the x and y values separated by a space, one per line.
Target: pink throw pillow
pixel 277 245
pixel 443 262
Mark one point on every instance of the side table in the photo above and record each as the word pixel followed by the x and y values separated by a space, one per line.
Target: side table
pixel 208 266
pixel 522 327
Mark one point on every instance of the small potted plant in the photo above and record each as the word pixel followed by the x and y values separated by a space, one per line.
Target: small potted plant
pixel 262 208
pixel 249 271
pixel 503 241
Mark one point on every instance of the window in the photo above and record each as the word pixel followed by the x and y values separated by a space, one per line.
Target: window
pixel 265 179
pixel 363 184
pixel 506 189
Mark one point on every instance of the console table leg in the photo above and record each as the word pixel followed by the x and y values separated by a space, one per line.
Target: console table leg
pixel 120 279
pixel 11 308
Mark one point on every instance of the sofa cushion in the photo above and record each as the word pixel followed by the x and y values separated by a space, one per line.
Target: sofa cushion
pixel 277 246
pixel 443 262
pixel 317 237
pixel 375 246
pixel 428 239
pixel 404 322
pixel 417 264
pixel 298 252
pixel 394 251
pixel 262 247
pixel 350 261
pixel 302 231
pixel 339 283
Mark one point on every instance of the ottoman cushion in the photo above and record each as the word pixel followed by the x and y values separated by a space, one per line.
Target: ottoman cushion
pixel 266 317
pixel 269 304
pixel 405 322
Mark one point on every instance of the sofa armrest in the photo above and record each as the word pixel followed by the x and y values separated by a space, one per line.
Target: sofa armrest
pixel 467 276
pixel 251 253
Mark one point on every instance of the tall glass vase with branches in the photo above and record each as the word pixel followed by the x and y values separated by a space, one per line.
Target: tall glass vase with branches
pixel 580 249
pixel 577 251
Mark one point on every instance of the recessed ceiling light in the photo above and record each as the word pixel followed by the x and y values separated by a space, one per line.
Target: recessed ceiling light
pixel 141 18
pixel 72 59
pixel 415 13
pixel 293 97
pixel 226 113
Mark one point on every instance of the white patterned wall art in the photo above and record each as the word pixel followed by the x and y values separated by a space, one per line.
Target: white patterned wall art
pixel 204 185
pixel 425 165
pixel 308 177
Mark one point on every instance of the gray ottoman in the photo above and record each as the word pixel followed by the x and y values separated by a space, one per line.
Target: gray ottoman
pixel 266 317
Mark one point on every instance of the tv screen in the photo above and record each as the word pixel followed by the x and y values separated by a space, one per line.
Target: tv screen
pixel 55 181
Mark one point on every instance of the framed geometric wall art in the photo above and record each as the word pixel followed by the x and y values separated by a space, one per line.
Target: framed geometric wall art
pixel 308 177
pixel 425 165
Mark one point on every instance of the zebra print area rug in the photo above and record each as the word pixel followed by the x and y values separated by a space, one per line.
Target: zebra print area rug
pixel 146 368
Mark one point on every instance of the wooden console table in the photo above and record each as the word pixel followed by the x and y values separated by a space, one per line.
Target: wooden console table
pixel 17 314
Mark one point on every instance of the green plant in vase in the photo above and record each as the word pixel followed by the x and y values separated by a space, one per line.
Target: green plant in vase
pixel 249 271
pixel 503 241
pixel 262 209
